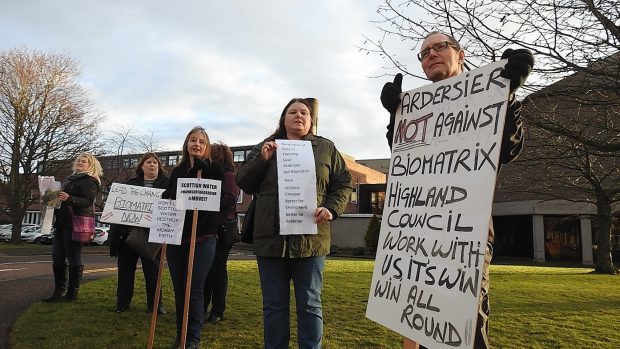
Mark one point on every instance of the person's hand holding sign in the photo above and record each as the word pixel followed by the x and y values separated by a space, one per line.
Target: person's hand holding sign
pixel 322 215
pixel 63 196
pixel 268 149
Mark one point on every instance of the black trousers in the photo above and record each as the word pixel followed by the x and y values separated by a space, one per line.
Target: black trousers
pixel 64 248
pixel 216 285
pixel 127 262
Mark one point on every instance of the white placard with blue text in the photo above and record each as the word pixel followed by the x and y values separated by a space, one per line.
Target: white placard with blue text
pixel 434 228
pixel 296 187
pixel 167 225
pixel 198 193
pixel 130 205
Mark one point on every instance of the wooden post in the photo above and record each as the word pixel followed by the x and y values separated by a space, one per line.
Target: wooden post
pixel 409 344
pixel 157 293
pixel 314 103
pixel 190 271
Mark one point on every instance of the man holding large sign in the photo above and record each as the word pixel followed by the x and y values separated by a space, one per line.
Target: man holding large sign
pixel 449 142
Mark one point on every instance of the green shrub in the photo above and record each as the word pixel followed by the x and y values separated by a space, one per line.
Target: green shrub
pixel 372 234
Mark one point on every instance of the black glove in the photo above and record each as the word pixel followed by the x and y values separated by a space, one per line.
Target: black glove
pixel 519 66
pixel 200 164
pixel 390 95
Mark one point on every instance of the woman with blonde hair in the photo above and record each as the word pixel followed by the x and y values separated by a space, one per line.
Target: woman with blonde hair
pixel 77 197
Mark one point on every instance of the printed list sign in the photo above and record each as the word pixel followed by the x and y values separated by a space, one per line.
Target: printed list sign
pixel 296 187
pixel 434 230
pixel 167 225
pixel 130 205
pixel 198 193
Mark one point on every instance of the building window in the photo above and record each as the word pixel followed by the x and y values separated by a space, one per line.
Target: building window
pixel 163 159
pixel 133 162
pixel 562 238
pixel 240 198
pixel 173 160
pixel 239 156
pixel 354 196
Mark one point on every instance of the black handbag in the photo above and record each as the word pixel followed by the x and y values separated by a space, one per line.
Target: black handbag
pixel 247 230
pixel 228 233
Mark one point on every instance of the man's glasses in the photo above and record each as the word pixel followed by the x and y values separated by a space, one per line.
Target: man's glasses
pixel 437 47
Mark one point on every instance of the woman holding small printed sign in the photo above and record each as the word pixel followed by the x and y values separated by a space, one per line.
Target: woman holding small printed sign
pixel 196 157
pixel 442 57
pixel 300 257
pixel 151 174
pixel 77 194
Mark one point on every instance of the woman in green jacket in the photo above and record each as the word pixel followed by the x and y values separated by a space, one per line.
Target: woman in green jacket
pixel 300 258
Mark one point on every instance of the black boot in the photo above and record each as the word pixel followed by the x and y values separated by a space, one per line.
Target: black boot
pixel 60 280
pixel 75 276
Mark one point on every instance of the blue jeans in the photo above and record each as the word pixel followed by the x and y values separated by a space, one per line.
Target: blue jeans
pixel 177 263
pixel 275 277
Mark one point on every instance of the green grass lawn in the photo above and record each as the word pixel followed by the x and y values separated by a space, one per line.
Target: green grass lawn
pixel 532 307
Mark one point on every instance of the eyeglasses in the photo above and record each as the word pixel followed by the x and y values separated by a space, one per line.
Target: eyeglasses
pixel 437 47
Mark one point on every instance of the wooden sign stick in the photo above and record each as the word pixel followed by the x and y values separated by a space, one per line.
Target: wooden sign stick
pixel 157 293
pixel 190 270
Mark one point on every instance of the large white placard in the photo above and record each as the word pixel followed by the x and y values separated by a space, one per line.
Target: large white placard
pixel 130 205
pixel 296 187
pixel 167 226
pixel 434 229
pixel 198 193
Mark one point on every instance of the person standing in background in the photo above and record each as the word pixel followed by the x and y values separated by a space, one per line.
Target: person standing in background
pixel 78 194
pixel 151 174
pixel 216 285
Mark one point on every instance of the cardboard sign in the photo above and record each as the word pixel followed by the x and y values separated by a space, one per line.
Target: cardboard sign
pixel 130 205
pixel 434 230
pixel 198 193
pixel 296 187
pixel 167 225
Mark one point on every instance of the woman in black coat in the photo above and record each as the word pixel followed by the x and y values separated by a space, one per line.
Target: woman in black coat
pixel 78 196
pixel 149 173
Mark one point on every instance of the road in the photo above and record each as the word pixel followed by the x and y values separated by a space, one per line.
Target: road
pixel 26 277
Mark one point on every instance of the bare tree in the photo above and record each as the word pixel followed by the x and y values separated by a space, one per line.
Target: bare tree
pixel 123 141
pixel 578 128
pixel 45 118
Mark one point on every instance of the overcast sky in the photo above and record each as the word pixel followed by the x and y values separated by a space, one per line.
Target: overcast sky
pixel 229 66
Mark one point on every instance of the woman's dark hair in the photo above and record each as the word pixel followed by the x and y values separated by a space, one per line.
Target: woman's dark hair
pixel 146 156
pixel 185 157
pixel 280 132
pixel 221 154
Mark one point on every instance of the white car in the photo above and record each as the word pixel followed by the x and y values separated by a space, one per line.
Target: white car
pixel 31 234
pixel 5 231
pixel 101 236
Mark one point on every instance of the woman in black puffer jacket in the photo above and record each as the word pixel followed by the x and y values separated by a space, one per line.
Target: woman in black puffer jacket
pixel 78 196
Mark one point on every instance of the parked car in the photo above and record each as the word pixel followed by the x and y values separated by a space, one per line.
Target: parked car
pixel 45 239
pixel 5 231
pixel 101 236
pixel 30 234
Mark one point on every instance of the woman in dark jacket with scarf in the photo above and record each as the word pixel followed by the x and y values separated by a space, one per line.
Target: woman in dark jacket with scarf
pixel 78 194
pixel 300 257
pixel 196 157
pixel 151 174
